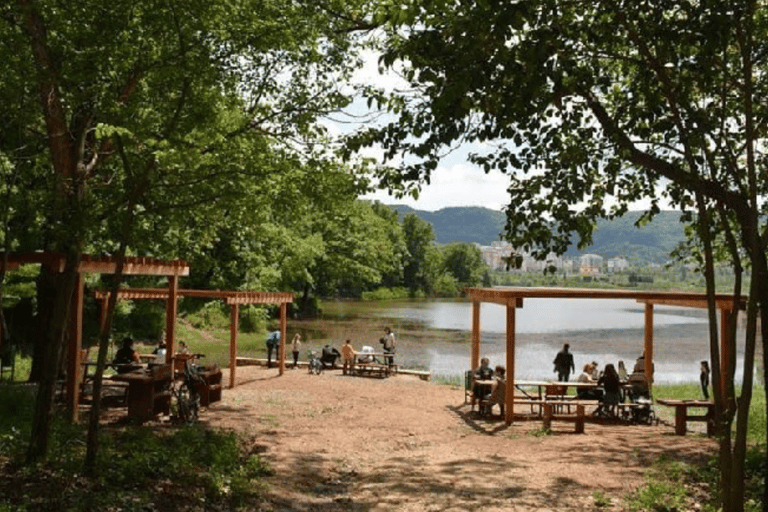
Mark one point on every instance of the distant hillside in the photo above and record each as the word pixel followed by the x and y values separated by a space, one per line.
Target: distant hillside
pixel 619 237
pixel 471 224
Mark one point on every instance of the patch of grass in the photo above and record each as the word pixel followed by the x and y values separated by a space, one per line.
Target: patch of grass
pixel 756 428
pixel 541 432
pixel 660 497
pixel 449 380
pixel 601 500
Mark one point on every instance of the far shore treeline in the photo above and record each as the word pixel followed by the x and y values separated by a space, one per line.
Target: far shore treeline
pixel 362 250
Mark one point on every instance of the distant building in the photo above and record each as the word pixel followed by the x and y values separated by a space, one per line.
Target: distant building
pixel 617 265
pixel 590 264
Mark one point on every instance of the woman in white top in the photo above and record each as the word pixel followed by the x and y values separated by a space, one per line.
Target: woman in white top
pixel 295 346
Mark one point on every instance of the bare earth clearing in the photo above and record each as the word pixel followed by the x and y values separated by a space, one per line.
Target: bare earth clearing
pixel 340 443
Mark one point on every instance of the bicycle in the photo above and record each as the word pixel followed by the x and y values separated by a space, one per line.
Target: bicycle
pixel 186 394
pixel 315 366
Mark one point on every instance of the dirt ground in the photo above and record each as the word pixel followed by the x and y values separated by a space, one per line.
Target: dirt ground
pixel 343 443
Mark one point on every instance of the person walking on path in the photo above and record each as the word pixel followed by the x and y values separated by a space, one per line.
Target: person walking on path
pixel 564 364
pixel 273 341
pixel 295 346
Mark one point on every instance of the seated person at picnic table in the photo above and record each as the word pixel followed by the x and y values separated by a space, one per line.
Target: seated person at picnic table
pixel 499 392
pixel 126 359
pixel 639 380
pixel 611 387
pixel 329 356
pixel 366 355
pixel 485 372
pixel 588 393
pixel 348 356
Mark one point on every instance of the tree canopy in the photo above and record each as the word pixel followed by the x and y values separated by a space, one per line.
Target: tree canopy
pixel 590 107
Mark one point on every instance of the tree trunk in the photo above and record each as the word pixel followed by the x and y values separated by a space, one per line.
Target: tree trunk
pixel 54 342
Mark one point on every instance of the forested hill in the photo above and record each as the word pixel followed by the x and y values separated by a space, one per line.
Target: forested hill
pixel 619 237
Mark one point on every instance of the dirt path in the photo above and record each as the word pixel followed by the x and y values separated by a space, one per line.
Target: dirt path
pixel 342 443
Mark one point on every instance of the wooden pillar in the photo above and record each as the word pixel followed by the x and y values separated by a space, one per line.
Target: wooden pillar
pixel 648 345
pixel 170 317
pixel 509 398
pixel 283 336
pixel 75 343
pixel 474 360
pixel 725 350
pixel 233 328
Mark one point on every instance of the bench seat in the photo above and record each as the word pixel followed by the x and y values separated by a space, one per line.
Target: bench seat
pixel 577 417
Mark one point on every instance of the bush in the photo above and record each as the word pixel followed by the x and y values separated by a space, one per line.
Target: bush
pixel 253 319
pixel 386 294
pixel 138 468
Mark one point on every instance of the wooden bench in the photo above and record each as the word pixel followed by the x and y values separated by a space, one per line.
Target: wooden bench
pixel 418 373
pixel 372 370
pixel 682 417
pixel 577 417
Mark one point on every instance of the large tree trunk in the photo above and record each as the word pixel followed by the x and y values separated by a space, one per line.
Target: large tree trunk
pixel 54 343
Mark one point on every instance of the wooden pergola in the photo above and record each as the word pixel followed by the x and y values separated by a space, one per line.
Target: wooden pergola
pixel 513 299
pixel 55 262
pixel 231 298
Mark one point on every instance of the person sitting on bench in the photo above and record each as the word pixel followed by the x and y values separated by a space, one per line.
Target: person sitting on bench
pixel 126 359
pixel 612 387
pixel 588 393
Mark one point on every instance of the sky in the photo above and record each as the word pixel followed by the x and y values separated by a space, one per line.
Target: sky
pixel 456 184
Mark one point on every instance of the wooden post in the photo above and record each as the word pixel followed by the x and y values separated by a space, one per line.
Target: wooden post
pixel 509 397
pixel 725 351
pixel 75 343
pixel 283 334
pixel 233 328
pixel 648 346
pixel 170 317
pixel 474 360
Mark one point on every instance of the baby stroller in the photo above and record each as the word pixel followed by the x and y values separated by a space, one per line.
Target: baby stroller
pixel 643 413
pixel 315 366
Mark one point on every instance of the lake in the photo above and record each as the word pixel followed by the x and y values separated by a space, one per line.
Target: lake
pixel 436 334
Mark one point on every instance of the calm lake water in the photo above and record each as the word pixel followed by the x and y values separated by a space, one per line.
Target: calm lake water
pixel 435 334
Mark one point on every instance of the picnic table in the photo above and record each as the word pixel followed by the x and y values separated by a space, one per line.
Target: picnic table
pixel 372 370
pixel 682 417
pixel 148 392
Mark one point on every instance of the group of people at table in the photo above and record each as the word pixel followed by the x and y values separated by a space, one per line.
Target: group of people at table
pixel 330 355
pixel 127 359
pixel 605 386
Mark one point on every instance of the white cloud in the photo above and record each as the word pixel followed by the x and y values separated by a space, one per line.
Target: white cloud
pixel 457 185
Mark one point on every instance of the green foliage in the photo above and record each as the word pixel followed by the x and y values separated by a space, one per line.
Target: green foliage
pixel 188 467
pixel 386 294
pixel 253 319
pixel 465 263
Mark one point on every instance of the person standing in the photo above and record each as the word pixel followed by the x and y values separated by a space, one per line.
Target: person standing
pixel 564 364
pixel 348 356
pixel 295 346
pixel 273 341
pixel 704 378
pixel 389 346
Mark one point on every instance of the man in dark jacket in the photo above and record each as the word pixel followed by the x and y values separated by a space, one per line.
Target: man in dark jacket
pixel 564 364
